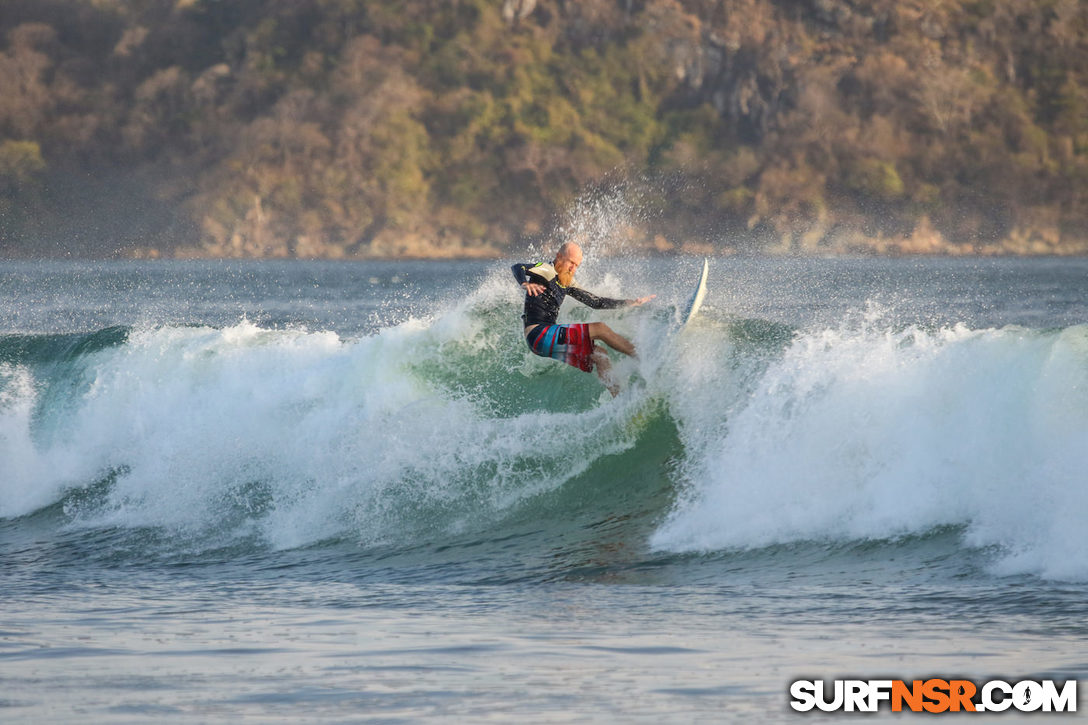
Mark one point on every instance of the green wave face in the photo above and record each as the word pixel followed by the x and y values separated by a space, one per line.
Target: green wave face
pixel 445 437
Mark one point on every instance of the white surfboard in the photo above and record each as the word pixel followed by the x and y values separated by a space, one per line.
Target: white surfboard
pixel 696 298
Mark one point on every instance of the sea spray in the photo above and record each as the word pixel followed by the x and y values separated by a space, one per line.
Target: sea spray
pixel 442 424
pixel 19 460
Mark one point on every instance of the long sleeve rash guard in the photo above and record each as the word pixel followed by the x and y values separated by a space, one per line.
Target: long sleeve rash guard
pixel 543 309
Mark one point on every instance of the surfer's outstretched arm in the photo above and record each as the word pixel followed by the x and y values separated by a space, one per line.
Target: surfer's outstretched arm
pixel 604 303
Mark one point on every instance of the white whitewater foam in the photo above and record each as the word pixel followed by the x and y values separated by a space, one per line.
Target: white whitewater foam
pixel 292 435
pixel 866 433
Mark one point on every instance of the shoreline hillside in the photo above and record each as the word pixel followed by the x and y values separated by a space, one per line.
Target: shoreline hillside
pixel 341 129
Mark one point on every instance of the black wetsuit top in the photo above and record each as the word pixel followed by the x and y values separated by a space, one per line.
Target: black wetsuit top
pixel 543 309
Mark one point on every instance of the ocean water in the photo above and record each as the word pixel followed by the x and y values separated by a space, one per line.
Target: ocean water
pixel 346 492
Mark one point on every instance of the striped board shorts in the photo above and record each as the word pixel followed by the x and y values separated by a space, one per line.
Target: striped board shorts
pixel 568 343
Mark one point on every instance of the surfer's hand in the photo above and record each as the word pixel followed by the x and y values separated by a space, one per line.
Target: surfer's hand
pixel 642 300
pixel 533 288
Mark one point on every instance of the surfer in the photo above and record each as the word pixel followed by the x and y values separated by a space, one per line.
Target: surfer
pixel 546 286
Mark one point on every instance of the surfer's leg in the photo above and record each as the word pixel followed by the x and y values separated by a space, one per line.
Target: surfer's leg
pixel 616 341
pixel 603 366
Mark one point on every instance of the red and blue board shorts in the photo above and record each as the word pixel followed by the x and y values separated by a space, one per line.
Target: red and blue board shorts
pixel 568 343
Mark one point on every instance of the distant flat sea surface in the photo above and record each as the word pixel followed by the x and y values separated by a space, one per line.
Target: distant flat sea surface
pixel 347 492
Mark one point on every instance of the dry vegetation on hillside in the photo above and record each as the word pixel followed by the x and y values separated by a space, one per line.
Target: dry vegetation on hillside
pixel 352 128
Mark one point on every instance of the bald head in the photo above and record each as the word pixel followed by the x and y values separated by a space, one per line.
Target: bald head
pixel 567 260
pixel 570 250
